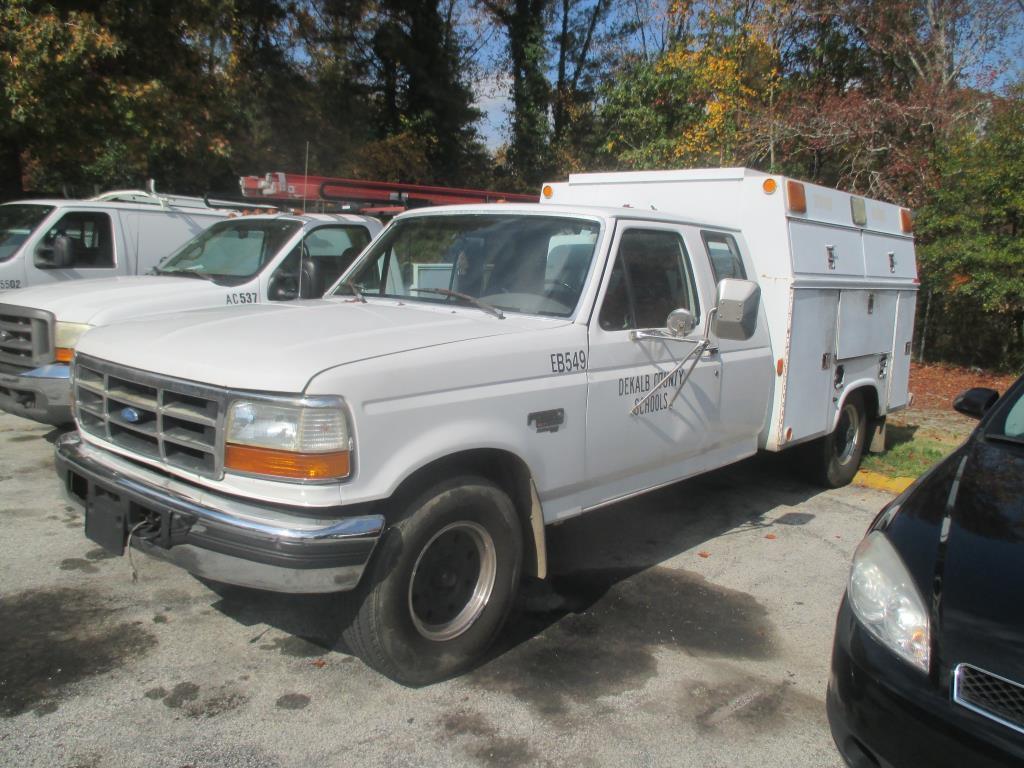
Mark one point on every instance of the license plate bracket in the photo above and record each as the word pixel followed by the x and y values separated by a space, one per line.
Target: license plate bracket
pixel 106 521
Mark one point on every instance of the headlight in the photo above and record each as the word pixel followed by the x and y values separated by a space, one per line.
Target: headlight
pixel 65 337
pixel 306 440
pixel 886 601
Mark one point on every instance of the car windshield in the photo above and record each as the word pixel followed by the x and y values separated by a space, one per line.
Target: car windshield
pixel 238 248
pixel 17 222
pixel 536 264
pixel 1008 423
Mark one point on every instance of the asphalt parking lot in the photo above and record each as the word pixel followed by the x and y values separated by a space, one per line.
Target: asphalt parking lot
pixel 688 627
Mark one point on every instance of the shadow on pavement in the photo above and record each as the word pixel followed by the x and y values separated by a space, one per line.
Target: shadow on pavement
pixel 605 582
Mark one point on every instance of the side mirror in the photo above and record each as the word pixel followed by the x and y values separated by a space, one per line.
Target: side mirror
pixel 282 288
pixel 975 402
pixel 60 254
pixel 737 306
pixel 680 322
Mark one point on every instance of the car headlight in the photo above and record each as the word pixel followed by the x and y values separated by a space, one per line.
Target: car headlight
pixel 886 601
pixel 65 338
pixel 301 440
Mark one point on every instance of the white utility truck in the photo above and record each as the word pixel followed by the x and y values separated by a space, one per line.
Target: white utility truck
pixel 236 262
pixel 484 371
pixel 117 233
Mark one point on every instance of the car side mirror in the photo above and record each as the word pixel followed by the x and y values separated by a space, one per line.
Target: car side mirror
pixel 680 322
pixel 60 254
pixel 736 309
pixel 975 402
pixel 282 288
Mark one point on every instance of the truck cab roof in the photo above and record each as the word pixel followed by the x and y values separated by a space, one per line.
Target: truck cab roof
pixel 601 212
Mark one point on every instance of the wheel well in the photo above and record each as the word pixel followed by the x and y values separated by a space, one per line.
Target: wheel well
pixel 504 469
pixel 870 395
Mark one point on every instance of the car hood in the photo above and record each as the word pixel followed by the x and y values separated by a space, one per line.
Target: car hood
pixel 107 300
pixel 281 347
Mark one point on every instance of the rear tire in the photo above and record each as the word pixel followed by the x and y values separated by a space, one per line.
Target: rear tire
pixel 833 460
pixel 440 584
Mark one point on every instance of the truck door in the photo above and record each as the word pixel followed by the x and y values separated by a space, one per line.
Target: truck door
pixel 644 430
pixel 96 248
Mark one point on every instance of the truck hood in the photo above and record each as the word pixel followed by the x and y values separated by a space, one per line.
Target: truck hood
pixel 281 347
pixel 107 300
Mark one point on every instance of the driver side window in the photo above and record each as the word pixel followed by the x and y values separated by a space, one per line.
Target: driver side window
pixel 651 277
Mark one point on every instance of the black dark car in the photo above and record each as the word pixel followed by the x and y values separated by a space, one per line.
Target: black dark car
pixel 928 658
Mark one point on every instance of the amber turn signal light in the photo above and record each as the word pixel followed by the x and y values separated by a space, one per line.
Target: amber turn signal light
pixel 906 220
pixel 796 197
pixel 294 466
pixel 547 191
pixel 64 354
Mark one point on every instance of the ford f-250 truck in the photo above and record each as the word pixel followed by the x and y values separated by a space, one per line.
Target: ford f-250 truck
pixel 236 262
pixel 483 371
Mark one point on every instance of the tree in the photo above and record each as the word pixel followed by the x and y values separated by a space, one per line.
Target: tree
pixel 48 83
pixel 971 245
pixel 524 26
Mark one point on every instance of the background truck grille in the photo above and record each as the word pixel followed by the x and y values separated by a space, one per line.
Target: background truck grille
pixel 174 421
pixel 990 695
pixel 25 336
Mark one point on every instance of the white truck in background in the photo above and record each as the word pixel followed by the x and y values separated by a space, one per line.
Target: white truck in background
pixel 237 261
pixel 47 241
pixel 482 372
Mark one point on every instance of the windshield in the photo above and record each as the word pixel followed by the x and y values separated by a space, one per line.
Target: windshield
pixel 17 222
pixel 532 264
pixel 238 248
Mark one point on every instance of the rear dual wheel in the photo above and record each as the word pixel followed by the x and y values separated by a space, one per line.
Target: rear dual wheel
pixel 440 584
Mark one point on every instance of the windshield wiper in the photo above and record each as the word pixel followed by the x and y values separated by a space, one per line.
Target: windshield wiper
pixel 465 297
pixel 189 273
pixel 350 284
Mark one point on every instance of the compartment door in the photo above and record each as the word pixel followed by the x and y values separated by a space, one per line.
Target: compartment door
pixel 899 370
pixel 809 366
pixel 866 321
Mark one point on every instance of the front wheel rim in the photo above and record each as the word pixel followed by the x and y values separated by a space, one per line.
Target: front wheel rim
pixel 452 580
pixel 848 432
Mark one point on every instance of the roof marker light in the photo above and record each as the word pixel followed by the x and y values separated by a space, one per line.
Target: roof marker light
pixel 858 211
pixel 906 220
pixel 547 191
pixel 796 197
pixel 769 186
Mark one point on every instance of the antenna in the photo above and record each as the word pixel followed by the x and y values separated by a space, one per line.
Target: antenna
pixel 302 240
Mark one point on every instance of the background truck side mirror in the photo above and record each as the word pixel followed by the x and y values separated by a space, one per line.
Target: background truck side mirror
pixel 975 402
pixel 60 254
pixel 680 322
pixel 737 305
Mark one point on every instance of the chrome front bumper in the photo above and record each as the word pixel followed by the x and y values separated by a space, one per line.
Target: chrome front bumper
pixel 42 394
pixel 219 537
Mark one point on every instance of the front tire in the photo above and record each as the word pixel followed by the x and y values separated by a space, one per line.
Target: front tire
pixel 834 459
pixel 441 583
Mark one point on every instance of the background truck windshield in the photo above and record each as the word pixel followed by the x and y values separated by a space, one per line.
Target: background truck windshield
pixel 532 264
pixel 233 249
pixel 17 222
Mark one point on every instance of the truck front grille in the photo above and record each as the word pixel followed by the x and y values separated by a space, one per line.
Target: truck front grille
pixel 25 336
pixel 173 421
pixel 989 695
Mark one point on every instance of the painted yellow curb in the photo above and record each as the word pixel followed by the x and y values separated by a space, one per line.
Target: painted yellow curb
pixel 880 482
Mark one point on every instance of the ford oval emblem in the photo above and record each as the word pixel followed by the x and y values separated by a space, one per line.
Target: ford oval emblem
pixel 131 415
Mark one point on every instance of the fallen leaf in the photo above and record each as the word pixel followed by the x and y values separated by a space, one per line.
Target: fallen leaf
pixel 702 553
pixel 771 536
pixel 318 663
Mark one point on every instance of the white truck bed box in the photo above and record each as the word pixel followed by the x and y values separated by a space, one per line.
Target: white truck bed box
pixel 838 279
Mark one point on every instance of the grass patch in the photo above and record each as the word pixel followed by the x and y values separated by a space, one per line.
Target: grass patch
pixel 907 457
